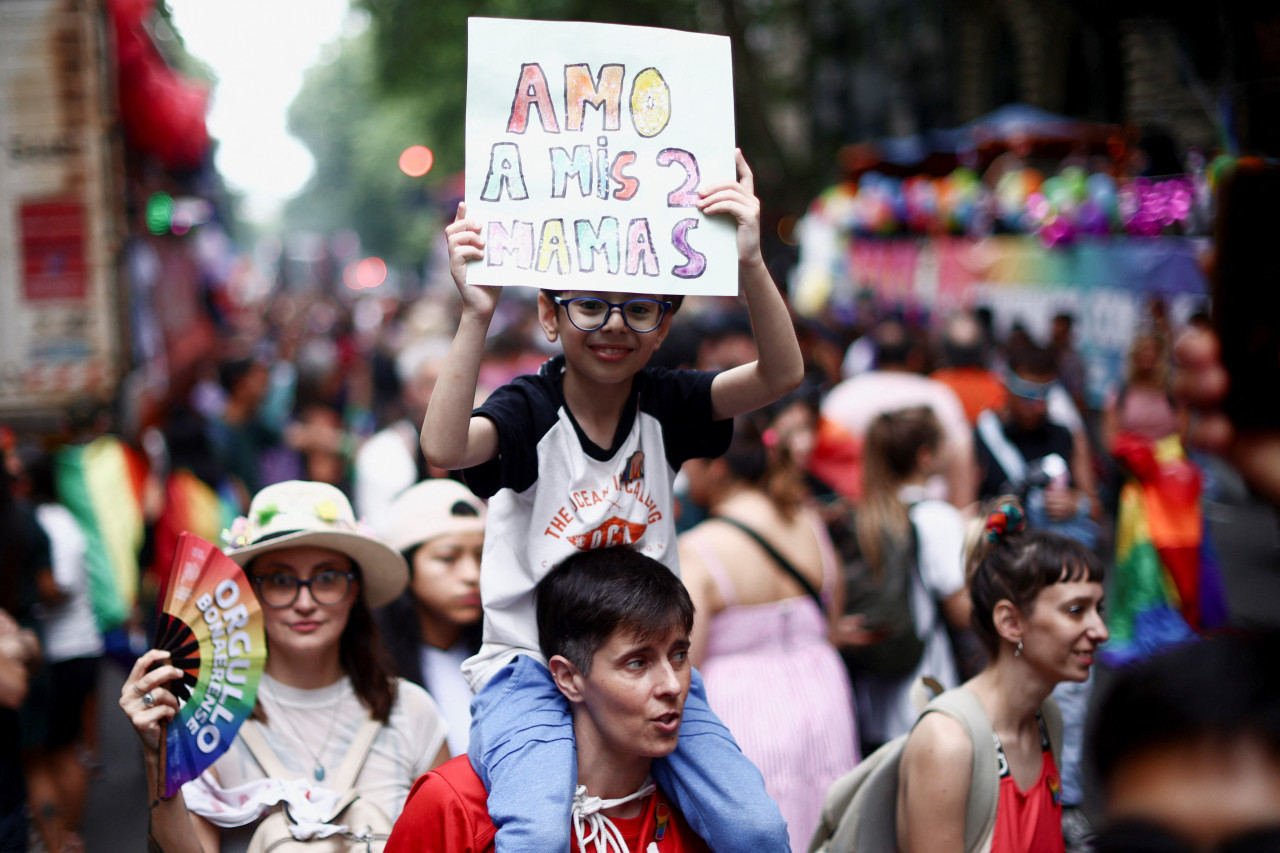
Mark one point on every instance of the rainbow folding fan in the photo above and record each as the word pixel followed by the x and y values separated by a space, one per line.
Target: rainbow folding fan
pixel 211 624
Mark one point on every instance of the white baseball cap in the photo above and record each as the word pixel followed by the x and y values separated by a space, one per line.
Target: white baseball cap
pixel 429 509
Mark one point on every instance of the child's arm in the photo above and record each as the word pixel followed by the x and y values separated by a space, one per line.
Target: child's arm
pixel 451 437
pixel 779 367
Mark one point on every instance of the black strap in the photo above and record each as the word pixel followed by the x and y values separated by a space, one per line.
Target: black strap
pixel 777 558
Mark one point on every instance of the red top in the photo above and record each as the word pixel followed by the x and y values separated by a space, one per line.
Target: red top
pixel 977 389
pixel 1029 821
pixel 447 812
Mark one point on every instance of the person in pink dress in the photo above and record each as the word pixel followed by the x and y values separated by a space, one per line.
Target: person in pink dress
pixel 761 633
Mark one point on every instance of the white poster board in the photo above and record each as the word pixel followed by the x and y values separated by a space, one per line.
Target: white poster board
pixel 586 147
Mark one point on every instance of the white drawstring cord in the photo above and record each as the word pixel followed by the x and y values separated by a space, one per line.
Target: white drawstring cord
pixel 590 825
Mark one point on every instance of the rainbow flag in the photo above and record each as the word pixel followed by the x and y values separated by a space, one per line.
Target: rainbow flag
pixel 1166 585
pixel 101 483
pixel 191 506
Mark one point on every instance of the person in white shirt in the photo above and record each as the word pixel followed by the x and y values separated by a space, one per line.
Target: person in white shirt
pixel 316 574
pixel 56 778
pixel 391 460
pixel 901 452
pixel 438 526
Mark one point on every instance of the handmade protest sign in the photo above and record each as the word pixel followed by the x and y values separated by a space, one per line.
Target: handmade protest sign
pixel 586 147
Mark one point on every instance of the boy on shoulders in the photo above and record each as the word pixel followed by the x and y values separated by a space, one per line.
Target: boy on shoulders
pixel 581 456
pixel 625 671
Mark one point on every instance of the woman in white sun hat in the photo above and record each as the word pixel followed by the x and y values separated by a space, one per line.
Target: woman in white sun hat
pixel 438 526
pixel 317 574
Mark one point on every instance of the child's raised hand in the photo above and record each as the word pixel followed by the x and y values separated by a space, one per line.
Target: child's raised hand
pixel 466 244
pixel 738 199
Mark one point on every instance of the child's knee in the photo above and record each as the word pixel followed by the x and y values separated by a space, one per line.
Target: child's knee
pixel 757 829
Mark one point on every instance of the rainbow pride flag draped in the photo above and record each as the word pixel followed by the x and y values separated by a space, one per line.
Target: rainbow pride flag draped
pixel 191 506
pixel 101 483
pixel 1167 584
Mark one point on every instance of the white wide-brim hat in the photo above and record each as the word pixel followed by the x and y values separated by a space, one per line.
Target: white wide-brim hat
pixel 297 513
pixel 431 508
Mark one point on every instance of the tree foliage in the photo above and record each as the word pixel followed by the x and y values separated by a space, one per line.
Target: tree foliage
pixel 356 133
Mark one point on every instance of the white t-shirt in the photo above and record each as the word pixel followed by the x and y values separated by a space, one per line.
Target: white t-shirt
pixel 885 709
pixel 442 670
pixel 384 468
pixel 324 722
pixel 70 628
pixel 552 491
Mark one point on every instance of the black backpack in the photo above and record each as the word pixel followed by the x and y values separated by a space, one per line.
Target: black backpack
pixel 884 598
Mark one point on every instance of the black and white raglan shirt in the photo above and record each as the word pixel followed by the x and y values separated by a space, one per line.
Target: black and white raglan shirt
pixel 553 491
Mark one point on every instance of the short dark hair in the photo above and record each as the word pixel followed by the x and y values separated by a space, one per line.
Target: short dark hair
pixel 893 344
pixel 591 594
pixel 1033 360
pixel 232 370
pixel 1214 690
pixel 1016 567
pixel 964 344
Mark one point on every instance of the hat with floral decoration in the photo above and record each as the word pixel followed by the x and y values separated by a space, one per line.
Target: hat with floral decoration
pixel 297 513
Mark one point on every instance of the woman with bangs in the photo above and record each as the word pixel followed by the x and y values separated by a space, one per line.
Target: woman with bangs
pixel 1037 608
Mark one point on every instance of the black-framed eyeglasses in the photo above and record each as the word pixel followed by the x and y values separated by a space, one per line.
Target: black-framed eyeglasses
pixel 588 313
pixel 328 588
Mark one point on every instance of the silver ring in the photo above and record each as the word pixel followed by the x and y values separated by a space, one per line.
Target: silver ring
pixel 136 689
pixel 148 699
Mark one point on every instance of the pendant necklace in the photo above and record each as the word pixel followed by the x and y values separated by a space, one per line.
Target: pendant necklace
pixel 317 770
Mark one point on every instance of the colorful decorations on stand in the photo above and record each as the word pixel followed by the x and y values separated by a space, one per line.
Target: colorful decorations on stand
pixel 1059 208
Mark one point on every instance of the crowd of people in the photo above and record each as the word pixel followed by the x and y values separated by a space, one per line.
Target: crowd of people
pixel 862 518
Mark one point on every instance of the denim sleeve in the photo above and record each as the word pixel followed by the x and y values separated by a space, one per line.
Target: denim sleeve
pixel 522 748
pixel 718 790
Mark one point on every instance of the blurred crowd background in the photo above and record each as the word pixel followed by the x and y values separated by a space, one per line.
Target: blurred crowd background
pixel 949 188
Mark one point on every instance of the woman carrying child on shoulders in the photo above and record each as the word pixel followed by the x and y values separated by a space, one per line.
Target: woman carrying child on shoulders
pixel 584 455
pixel 1037 608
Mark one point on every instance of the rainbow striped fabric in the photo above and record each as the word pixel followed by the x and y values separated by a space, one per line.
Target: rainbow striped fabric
pixel 102 484
pixel 1167 584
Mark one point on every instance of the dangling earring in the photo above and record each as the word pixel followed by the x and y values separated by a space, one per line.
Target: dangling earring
pixel 1017 653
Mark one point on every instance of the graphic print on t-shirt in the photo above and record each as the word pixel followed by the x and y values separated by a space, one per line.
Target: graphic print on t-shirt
pixel 629 498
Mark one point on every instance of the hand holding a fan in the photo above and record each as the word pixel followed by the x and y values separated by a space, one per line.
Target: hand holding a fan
pixel 150 720
pixel 295 570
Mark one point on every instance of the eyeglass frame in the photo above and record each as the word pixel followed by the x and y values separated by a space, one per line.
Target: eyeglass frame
pixel 663 303
pixel 298 584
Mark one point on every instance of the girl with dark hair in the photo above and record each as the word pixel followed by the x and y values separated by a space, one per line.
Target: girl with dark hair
pixel 316 574
pixel 438 525
pixel 1037 608
pixel 763 575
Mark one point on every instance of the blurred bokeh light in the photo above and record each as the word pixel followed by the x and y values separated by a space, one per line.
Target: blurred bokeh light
pixel 416 160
